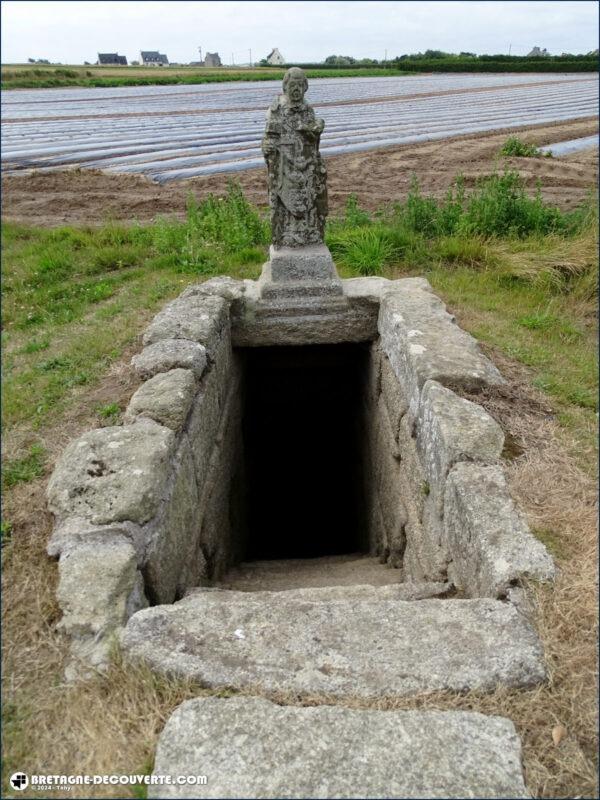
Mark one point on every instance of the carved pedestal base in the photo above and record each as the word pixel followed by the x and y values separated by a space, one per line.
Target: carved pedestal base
pixel 300 279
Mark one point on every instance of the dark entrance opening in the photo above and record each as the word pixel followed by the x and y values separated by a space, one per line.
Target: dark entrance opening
pixel 302 441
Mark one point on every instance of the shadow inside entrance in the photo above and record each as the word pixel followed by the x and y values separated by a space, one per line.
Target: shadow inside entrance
pixel 302 441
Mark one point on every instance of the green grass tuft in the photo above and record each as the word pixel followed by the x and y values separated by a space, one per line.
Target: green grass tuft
pixel 25 469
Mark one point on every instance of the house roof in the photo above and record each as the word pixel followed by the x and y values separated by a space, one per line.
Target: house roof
pixel 153 55
pixel 111 58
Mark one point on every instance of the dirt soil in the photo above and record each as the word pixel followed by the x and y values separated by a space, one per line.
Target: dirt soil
pixel 91 197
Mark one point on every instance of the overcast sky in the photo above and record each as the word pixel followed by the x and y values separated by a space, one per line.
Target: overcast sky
pixel 74 32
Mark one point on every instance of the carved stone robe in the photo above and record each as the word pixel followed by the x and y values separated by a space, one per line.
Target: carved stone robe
pixel 297 175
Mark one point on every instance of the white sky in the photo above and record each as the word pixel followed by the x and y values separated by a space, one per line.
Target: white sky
pixel 74 32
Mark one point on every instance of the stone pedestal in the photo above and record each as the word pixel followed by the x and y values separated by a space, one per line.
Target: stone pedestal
pixel 312 262
pixel 300 278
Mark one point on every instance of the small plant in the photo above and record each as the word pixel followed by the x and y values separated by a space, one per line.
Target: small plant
pixel 25 469
pixel 354 215
pixel 420 214
pixel 35 346
pixel 538 321
pixel 364 250
pixel 5 532
pixel 115 257
pixel 514 146
pixel 110 412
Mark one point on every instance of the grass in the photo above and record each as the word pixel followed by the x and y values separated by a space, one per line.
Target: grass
pixel 24 469
pixel 39 77
pixel 72 297
pixel 76 299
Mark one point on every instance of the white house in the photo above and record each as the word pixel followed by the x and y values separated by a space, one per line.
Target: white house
pixel 275 59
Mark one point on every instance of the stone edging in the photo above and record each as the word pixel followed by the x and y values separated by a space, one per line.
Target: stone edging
pixel 137 506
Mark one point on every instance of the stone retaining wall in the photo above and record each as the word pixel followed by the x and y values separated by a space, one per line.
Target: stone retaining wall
pixel 146 510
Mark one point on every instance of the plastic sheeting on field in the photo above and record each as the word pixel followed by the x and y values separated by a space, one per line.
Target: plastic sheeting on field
pixel 174 132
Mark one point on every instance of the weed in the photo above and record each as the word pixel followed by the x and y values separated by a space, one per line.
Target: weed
pixel 365 251
pixel 538 321
pixel 5 532
pixel 25 469
pixel 115 257
pixel 514 146
pixel 35 346
pixel 354 215
pixel 500 207
pixel 110 412
pixel 419 214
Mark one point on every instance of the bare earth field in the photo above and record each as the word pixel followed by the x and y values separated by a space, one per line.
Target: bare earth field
pixel 82 197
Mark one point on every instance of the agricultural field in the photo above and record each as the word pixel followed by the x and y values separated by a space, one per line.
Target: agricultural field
pixel 170 133
pixel 93 247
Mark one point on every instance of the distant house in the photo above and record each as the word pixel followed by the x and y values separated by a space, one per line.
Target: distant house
pixel 275 59
pixel 212 60
pixel 537 52
pixel 152 58
pixel 112 58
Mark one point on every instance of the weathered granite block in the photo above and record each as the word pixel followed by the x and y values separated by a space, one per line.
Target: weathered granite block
pixel 490 544
pixel 387 485
pixel 198 318
pixel 169 354
pixel 394 397
pixel 222 526
pixel 74 531
pixel 372 388
pixel 325 752
pixel 423 342
pixel 222 285
pixel 99 589
pixel 426 556
pixel 378 544
pixel 309 262
pixel 172 537
pixel 413 483
pixel 314 326
pixel 166 398
pixel 113 474
pixel 370 290
pixel 451 429
pixel 203 423
pixel 367 646
pixel 96 583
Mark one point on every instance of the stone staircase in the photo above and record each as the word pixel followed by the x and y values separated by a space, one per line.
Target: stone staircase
pixel 304 629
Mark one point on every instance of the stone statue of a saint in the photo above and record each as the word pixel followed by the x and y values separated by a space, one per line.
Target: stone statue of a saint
pixel 297 174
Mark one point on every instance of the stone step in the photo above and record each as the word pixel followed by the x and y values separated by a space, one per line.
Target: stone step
pixel 250 747
pixel 363 641
pixel 342 570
